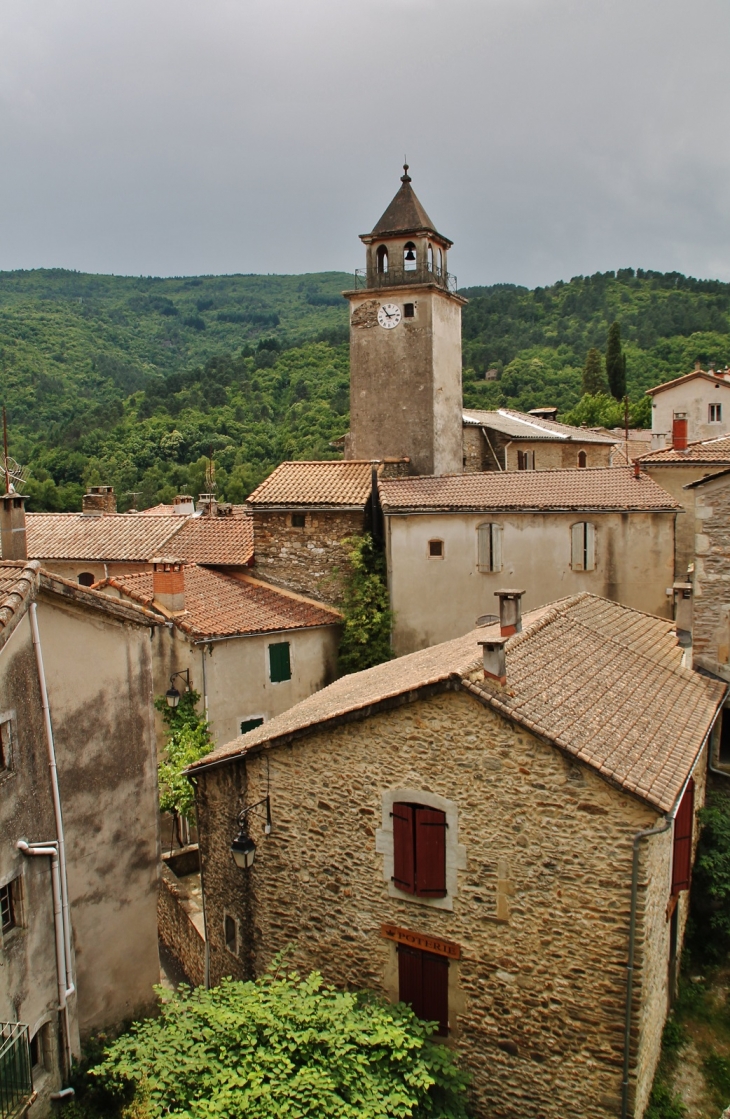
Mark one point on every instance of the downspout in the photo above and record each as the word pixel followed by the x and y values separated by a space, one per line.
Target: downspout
pixel 506 448
pixel 205 685
pixel 50 850
pixel 56 797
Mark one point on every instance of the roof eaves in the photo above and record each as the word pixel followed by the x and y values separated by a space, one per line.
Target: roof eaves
pixel 96 600
pixel 15 602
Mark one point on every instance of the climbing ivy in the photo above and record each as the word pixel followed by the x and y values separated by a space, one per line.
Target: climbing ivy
pixel 187 740
pixel 368 618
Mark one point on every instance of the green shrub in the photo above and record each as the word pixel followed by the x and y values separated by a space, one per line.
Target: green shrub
pixel 664 1104
pixel 717 1075
pixel 187 740
pixel 711 879
pixel 365 638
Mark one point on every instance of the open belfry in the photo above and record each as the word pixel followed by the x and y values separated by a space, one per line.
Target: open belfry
pixel 405 344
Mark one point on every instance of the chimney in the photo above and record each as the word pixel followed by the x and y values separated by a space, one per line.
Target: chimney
pixel 510 612
pixel 183 505
pixel 637 468
pixel 495 661
pixel 12 526
pixel 99 499
pixel 683 613
pixel 679 431
pixel 698 367
pixel 207 504
pixel 168 584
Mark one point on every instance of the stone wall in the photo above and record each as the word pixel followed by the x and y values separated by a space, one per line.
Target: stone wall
pixel 311 560
pixel 540 910
pixel 558 455
pixel 711 614
pixel 180 924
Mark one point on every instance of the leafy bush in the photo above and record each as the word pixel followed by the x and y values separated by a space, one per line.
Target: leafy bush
pixel 664 1104
pixel 368 618
pixel 711 879
pixel 187 740
pixel 284 1046
pixel 602 410
pixel 717 1074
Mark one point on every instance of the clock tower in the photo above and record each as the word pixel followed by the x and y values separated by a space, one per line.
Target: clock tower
pixel 405 344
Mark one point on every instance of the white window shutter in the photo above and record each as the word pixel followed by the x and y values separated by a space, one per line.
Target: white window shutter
pixel 484 548
pixel 496 547
pixel 577 541
pixel 590 546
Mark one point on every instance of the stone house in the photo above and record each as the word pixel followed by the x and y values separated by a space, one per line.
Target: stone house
pixel 675 468
pixel 77 777
pixel 508 440
pixel 701 397
pixel 708 614
pixel 251 650
pixel 452 542
pixel 497 830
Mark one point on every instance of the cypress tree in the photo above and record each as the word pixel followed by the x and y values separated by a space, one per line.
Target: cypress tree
pixel 594 380
pixel 616 362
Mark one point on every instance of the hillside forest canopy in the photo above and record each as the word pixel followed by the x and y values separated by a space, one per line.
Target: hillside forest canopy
pixel 137 382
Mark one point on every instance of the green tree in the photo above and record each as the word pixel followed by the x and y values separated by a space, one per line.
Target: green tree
pixel 710 897
pixel 284 1046
pixel 187 740
pixel 365 638
pixel 594 379
pixel 615 362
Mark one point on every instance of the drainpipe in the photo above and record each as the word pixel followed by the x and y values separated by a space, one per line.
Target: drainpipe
pixel 205 685
pixel 56 796
pixel 506 448
pixel 50 850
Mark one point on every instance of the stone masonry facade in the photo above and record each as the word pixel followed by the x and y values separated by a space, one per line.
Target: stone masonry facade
pixel 312 560
pixel 558 455
pixel 711 621
pixel 540 908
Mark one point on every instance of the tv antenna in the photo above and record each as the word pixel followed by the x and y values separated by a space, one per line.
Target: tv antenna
pixel 134 494
pixel 16 475
pixel 210 474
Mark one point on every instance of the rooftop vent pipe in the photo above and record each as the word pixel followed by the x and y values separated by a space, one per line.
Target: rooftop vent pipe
pixel 495 660
pixel 510 611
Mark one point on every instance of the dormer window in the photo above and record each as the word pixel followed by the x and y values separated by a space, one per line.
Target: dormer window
pixel 409 257
pixel 382 259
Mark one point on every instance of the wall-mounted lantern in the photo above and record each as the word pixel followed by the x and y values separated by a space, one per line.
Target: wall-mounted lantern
pixel 172 695
pixel 243 848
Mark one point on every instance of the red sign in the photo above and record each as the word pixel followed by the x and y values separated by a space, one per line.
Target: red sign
pixel 420 940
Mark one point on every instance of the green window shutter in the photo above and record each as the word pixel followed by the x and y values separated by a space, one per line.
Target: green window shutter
pixel 279 662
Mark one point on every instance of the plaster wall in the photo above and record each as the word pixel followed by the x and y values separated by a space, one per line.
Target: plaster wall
pixel 673 479
pixel 540 908
pixel 71 569
pixel 100 692
pixel 693 397
pixel 435 599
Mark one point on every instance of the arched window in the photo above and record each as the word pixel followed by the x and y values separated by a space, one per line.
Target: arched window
pixel 430 258
pixel 582 458
pixel 382 258
pixel 583 546
pixel 489 547
pixel 439 262
pixel 410 263
pixel 86 579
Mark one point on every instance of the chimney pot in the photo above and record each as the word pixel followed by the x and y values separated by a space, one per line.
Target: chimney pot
pixel 510 611
pixel 99 499
pixel 683 613
pixel 698 366
pixel 168 583
pixel 679 431
pixel 637 468
pixel 13 539
pixel 207 504
pixel 183 505
pixel 495 660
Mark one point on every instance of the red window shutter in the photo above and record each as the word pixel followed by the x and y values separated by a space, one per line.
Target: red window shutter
pixel 404 863
pixel 430 853
pixel 409 977
pixel 423 982
pixel 682 854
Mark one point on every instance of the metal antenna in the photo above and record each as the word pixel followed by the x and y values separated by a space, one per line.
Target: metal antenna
pixel 134 494
pixel 16 475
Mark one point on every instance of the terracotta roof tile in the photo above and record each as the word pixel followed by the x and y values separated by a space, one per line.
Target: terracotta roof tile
pixel 601 681
pixel 111 536
pixel 218 605
pixel 710 452
pixel 599 488
pixel 18 582
pixel 521 425
pixel 216 540
pixel 715 378
pixel 333 484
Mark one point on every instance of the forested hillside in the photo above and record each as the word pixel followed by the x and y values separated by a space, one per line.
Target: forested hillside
pixel 135 381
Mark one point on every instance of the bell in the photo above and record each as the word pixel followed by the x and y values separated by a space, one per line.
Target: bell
pixel 410 255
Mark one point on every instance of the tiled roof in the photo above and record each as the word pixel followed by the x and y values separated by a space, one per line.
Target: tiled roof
pixel 717 379
pixel 404 214
pixel 157 510
pixel 18 581
pixel 602 682
pixel 217 605
pixel 216 540
pixel 520 425
pixel 597 488
pixel 109 537
pixel 333 484
pixel 710 452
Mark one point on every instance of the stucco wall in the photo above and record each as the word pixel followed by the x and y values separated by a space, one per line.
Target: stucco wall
pixel 435 599
pixel 71 569
pixel 541 907
pixel 100 692
pixel 694 398
pixel 673 479
pixel 312 560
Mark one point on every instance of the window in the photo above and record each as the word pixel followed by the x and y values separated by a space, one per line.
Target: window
pixel 582 458
pixel 381 258
pixel 40 1050
pixel 298 520
pixel 251 724
pixel 230 933
pixel 439 262
pixel 583 546
pixel 525 460
pixel 9 906
pixel 489 547
pixel 279 662
pixel 409 310
pixel 419 850
pixel 715 413
pixel 6 743
pixel 423 981
pixel 410 262
pixel 682 853
pixel 429 258
pixel 436 549
pixel 86 579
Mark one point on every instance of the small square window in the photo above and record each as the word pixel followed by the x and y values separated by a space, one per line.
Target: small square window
pixel 436 549
pixel 9 906
pixel 409 310
pixel 279 662
pixel 230 933
pixel 6 744
pixel 298 520
pixel 251 724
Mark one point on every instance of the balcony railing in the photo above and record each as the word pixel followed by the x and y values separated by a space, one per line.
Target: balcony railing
pixel 16 1080
pixel 395 277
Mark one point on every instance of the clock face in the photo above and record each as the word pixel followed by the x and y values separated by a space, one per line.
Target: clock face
pixel 389 315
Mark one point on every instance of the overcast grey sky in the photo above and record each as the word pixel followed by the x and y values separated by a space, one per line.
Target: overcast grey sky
pixel 547 138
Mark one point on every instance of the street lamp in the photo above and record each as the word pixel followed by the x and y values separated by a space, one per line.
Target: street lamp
pixel 243 848
pixel 172 695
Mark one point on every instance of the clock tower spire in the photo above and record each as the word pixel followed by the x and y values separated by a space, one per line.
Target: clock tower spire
pixel 405 344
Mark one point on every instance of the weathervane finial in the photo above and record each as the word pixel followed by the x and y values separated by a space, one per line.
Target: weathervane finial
pixel 405 178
